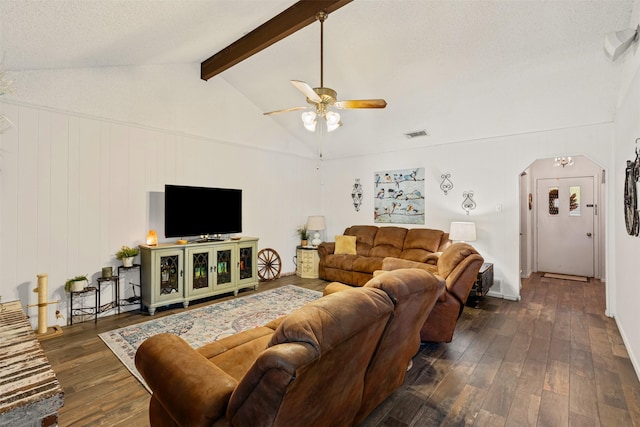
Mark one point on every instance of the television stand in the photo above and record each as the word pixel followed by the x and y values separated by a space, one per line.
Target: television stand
pixel 174 273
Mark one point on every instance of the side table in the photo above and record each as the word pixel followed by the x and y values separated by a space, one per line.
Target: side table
pixel 307 262
pixel 84 310
pixel 130 296
pixel 484 281
pixel 114 304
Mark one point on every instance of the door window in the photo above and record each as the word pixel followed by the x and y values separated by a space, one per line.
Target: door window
pixel 574 200
pixel 554 203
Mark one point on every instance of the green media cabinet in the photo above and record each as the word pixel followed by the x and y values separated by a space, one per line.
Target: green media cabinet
pixel 173 273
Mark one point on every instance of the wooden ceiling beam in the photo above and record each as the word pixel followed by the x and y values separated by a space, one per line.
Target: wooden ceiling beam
pixel 282 25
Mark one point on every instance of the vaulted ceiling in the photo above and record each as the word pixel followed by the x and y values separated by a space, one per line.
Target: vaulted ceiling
pixel 462 70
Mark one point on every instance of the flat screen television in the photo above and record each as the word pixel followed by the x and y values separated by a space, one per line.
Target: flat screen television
pixel 201 211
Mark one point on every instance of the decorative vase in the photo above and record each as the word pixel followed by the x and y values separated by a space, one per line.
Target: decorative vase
pixel 304 243
pixel 78 286
pixel 127 262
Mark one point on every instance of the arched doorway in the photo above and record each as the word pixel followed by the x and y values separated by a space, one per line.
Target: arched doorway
pixel 553 200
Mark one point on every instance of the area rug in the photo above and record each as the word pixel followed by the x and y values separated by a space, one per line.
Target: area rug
pixel 207 324
pixel 565 277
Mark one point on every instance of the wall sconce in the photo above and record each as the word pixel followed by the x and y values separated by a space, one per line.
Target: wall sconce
pixel 152 238
pixel 356 195
pixel 446 185
pixel 468 204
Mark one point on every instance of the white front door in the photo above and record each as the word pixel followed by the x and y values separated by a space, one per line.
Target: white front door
pixel 565 216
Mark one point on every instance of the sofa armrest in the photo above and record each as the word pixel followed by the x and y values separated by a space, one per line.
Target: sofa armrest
pixel 191 389
pixel 433 258
pixel 391 263
pixel 334 287
pixel 326 248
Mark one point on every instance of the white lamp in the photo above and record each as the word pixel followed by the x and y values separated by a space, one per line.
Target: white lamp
pixel 462 232
pixel 317 223
pixel 309 120
pixel 333 121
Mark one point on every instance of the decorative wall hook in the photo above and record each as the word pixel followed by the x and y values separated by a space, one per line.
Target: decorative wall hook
pixel 468 204
pixel 446 184
pixel 356 194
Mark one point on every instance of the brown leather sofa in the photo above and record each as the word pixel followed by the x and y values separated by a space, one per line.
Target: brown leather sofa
pixel 372 245
pixel 458 266
pixel 329 363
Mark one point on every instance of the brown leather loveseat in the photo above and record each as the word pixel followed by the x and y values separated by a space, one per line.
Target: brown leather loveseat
pixel 355 255
pixel 329 363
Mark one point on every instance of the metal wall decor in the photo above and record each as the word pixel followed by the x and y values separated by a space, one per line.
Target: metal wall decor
pixel 468 204
pixel 631 218
pixel 356 194
pixel 446 185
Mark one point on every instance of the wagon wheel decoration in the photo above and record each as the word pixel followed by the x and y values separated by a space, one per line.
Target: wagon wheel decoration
pixel 269 264
pixel 631 197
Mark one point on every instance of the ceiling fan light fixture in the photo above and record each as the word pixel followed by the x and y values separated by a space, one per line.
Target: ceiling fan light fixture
pixel 333 120
pixel 309 120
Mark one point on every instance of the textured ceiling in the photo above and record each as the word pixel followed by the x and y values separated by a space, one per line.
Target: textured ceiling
pixel 460 69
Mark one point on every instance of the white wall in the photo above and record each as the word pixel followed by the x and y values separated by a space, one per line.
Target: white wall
pixel 625 251
pixel 73 189
pixel 490 167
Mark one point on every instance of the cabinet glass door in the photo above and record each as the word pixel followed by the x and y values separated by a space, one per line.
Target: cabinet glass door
pixel 224 267
pixel 246 262
pixel 200 270
pixel 169 270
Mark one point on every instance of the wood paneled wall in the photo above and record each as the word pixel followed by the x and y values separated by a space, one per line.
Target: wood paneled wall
pixel 75 188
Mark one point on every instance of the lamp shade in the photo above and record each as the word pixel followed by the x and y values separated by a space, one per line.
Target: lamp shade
pixel 316 222
pixel 462 232
pixel 309 120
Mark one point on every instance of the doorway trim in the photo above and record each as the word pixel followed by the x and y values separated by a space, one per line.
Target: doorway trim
pixel 542 168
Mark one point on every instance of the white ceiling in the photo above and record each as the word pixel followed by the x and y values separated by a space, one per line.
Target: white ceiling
pixel 462 70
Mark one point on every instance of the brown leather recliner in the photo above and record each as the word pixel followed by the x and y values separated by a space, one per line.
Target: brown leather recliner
pixel 414 293
pixel 458 265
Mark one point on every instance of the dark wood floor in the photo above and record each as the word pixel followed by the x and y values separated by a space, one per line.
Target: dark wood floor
pixel 551 359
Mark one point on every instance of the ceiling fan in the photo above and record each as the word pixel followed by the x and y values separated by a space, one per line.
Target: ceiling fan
pixel 322 99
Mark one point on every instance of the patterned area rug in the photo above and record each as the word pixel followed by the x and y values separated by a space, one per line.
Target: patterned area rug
pixel 203 325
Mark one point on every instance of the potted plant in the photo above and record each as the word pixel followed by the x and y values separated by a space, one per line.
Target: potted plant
pixel 126 254
pixel 304 235
pixel 76 284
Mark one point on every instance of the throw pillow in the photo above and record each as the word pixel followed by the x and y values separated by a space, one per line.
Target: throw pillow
pixel 345 245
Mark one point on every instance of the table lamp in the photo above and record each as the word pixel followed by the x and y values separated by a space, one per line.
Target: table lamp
pixel 317 224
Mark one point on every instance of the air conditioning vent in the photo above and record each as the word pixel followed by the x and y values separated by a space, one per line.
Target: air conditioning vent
pixel 416 134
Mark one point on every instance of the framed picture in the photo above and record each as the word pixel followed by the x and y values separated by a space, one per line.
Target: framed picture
pixel 399 196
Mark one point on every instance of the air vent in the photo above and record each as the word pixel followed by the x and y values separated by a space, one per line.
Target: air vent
pixel 416 134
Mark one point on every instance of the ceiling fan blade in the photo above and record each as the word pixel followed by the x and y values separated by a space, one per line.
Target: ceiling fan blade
pixel 307 90
pixel 361 103
pixel 286 110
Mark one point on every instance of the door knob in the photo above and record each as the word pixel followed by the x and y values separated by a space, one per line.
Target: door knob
pixel 588 234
